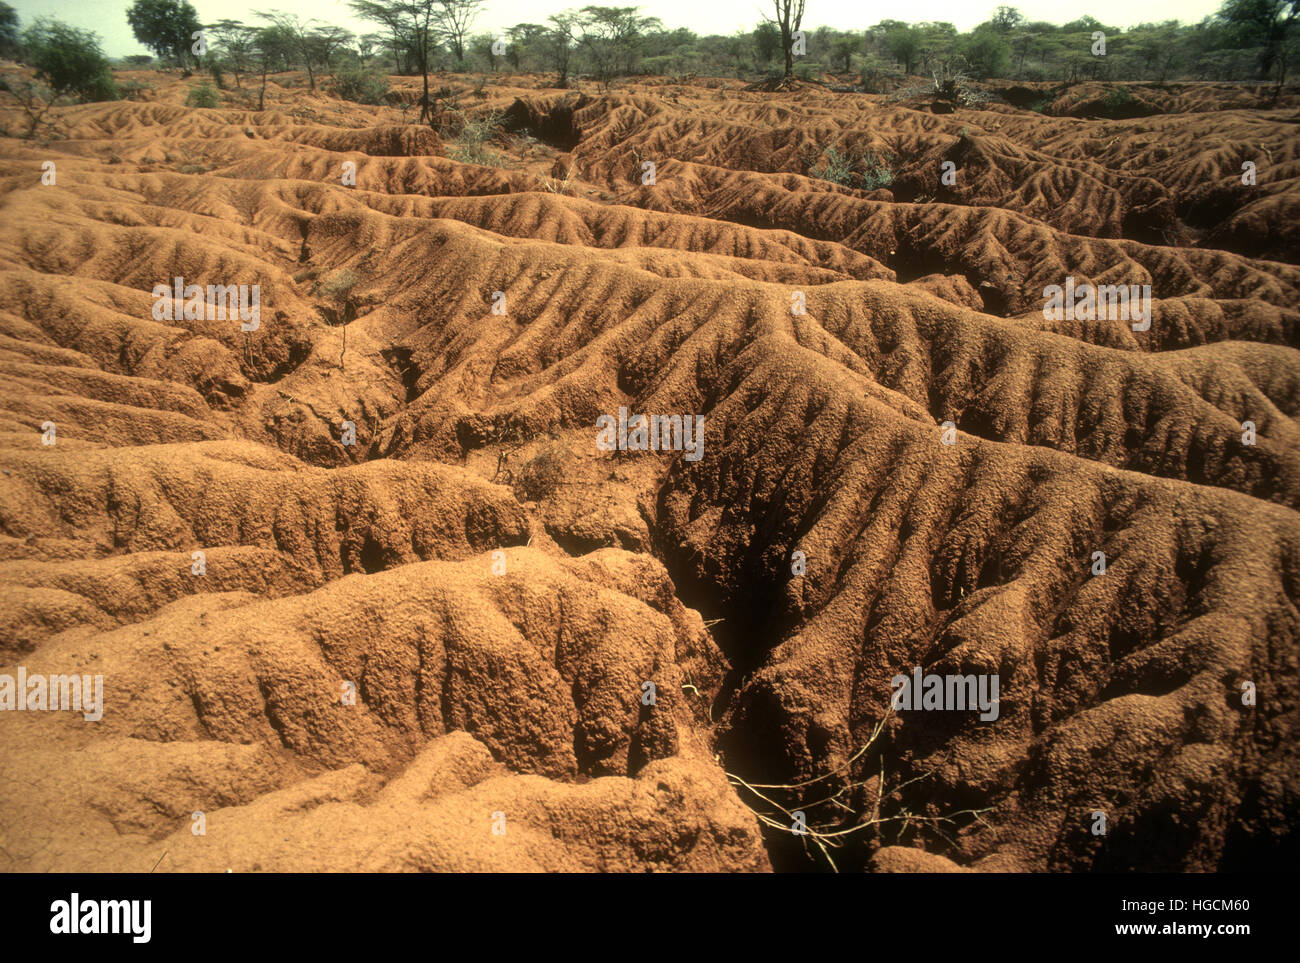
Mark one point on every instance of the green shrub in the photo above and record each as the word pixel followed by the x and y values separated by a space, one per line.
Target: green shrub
pixel 1118 99
pixel 202 96
pixel 868 172
pixel 876 172
pixel 361 86
pixel 134 89
pixel 877 76
pixel 69 60
pixel 835 167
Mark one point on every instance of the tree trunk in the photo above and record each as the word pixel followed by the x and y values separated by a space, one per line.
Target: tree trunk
pixel 425 112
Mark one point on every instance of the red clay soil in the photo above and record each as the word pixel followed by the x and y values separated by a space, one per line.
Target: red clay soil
pixel 497 591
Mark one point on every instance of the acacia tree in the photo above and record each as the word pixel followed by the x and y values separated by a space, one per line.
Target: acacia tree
pixel 312 45
pixel 526 39
pixel 366 46
pixel 1268 24
pixel 611 36
pixel 767 41
pixel 270 45
pixel 327 41
pixel 166 27
pixel 482 44
pixel 237 43
pixel 413 22
pixel 397 19
pixel 843 47
pixel 454 18
pixel 1006 19
pixel 559 44
pixel 67 62
pixel 789 15
pixel 903 41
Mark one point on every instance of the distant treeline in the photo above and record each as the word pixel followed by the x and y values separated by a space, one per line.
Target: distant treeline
pixel 1246 40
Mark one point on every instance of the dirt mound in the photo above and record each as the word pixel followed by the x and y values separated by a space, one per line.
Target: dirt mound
pixel 1141 179
pixel 366 593
pixel 978 558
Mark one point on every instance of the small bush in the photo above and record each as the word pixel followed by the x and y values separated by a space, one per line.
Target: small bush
pixel 868 172
pixel 361 86
pixel 339 285
pixel 953 85
pixel 542 475
pixel 202 96
pixel 835 167
pixel 876 172
pixel 877 76
pixel 1118 99
pixel 337 289
pixel 472 141
pixel 134 89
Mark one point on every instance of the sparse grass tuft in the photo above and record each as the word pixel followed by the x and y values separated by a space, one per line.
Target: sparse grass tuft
pixel 868 171
pixel 558 185
pixel 876 172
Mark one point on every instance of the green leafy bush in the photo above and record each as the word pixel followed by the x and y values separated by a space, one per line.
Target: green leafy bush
pixel 69 60
pixel 203 95
pixel 876 172
pixel 1118 99
pixel 361 86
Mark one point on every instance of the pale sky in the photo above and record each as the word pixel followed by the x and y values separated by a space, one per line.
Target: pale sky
pixel 108 17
